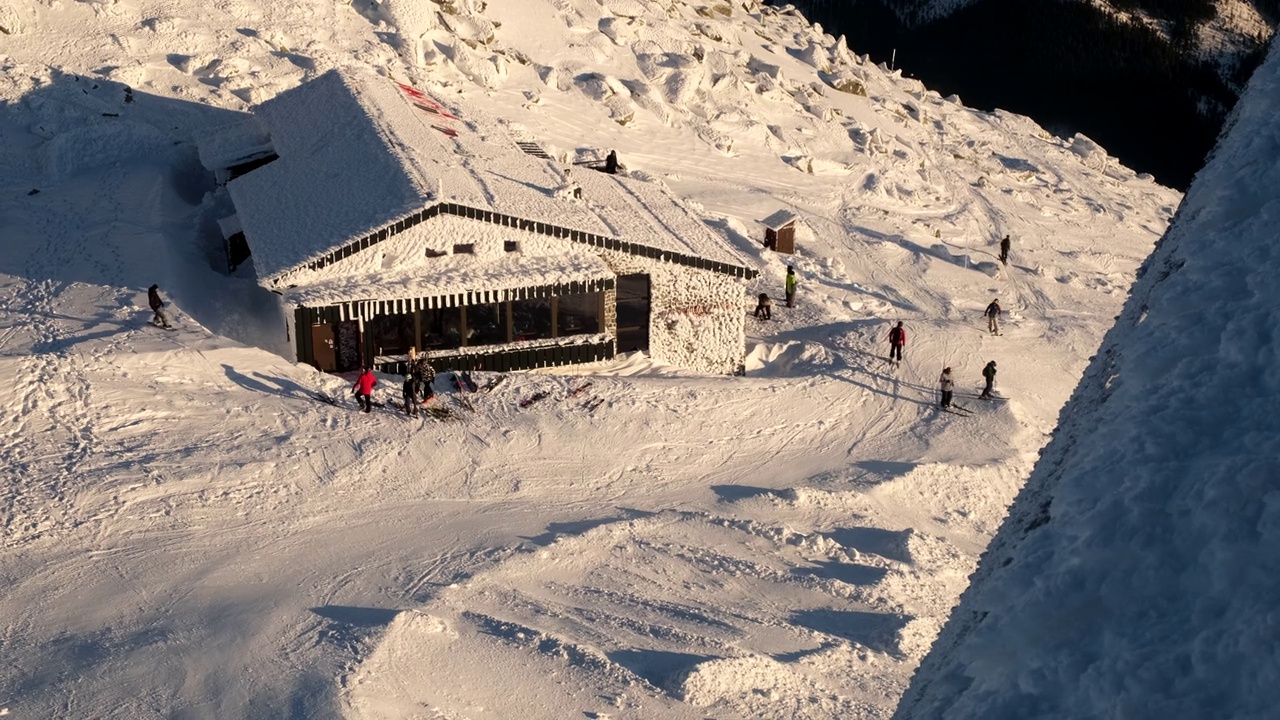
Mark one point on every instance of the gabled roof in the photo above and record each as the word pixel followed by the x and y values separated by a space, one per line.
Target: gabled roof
pixel 358 153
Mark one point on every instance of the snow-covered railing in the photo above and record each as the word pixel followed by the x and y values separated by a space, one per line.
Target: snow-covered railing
pixel 522 355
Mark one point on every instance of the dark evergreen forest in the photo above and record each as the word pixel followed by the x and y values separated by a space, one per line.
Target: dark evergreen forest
pixel 1073 68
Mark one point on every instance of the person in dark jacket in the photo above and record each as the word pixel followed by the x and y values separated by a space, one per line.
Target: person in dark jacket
pixel 157 306
pixel 611 163
pixel 1004 250
pixel 764 307
pixel 988 374
pixel 947 386
pixel 425 376
pixel 363 389
pixel 897 338
pixel 410 393
pixel 993 317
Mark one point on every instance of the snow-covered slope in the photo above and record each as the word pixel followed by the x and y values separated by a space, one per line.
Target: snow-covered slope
pixel 1136 573
pixel 187 533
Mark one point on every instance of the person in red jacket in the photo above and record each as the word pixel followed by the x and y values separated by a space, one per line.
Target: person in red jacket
pixel 897 338
pixel 363 389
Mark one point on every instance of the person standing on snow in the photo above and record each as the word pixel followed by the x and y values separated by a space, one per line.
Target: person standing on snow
pixel 993 317
pixel 947 386
pixel 363 389
pixel 1004 250
pixel 989 374
pixel 410 394
pixel 791 287
pixel 764 307
pixel 157 305
pixel 897 338
pixel 424 376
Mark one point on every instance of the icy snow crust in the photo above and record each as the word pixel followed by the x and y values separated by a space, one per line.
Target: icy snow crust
pixel 1136 573
pixel 186 532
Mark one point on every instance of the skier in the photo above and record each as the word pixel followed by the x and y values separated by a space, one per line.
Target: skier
pixel 1004 250
pixel 946 385
pixel 791 287
pixel 897 338
pixel 410 393
pixel 989 373
pixel 993 317
pixel 157 305
pixel 363 389
pixel 764 307
pixel 611 163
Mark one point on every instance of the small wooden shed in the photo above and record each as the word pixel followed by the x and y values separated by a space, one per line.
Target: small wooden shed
pixel 780 231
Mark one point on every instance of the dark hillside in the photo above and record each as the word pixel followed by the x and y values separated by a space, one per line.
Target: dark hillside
pixel 1067 64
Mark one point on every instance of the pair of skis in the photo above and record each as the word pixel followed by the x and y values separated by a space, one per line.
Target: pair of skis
pixel 589 404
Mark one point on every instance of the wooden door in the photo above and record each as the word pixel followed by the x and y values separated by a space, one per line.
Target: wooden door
pixel 633 313
pixel 323 353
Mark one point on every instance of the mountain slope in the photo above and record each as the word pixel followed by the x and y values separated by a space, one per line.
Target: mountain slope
pixel 1135 573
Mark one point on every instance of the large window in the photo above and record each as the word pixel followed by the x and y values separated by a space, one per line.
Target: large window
pixel 441 329
pixel 578 314
pixel 531 319
pixel 487 324
pixel 391 334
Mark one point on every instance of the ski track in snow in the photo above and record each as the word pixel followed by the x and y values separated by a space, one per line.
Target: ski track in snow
pixel 187 532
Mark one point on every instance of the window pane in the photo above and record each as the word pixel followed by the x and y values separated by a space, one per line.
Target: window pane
pixel 486 324
pixel 531 318
pixel 392 334
pixel 441 329
pixel 578 314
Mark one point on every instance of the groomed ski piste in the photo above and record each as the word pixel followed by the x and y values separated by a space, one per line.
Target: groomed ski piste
pixel 188 533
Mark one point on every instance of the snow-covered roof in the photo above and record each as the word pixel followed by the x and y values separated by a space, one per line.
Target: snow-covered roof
pixel 447 280
pixel 780 219
pixel 226 145
pixel 229 225
pixel 347 144
pixel 359 152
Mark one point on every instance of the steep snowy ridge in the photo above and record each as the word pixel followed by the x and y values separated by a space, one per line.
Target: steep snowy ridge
pixel 1136 573
pixel 186 531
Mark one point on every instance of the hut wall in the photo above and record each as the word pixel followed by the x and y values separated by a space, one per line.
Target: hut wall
pixel 697 317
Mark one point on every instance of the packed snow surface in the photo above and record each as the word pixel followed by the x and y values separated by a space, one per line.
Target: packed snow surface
pixel 188 533
pixel 1136 573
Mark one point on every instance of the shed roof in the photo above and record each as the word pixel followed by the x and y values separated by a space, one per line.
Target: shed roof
pixel 225 145
pixel 780 219
pixel 358 152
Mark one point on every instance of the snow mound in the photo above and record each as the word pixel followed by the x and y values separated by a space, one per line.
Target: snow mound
pixel 84 148
pixel 787 359
pixel 760 687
